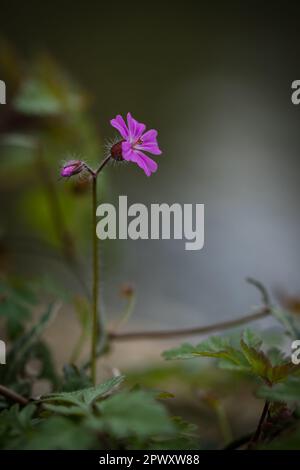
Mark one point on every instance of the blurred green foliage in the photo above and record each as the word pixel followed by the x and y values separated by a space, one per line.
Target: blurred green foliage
pixel 47 120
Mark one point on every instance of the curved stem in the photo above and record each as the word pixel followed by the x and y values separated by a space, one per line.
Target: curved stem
pixel 140 335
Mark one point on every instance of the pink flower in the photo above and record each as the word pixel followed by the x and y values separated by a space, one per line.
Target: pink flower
pixel 71 168
pixel 135 142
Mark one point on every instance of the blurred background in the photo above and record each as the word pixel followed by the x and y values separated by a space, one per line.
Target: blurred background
pixel 215 80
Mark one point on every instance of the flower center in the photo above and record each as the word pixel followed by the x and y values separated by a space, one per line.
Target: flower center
pixel 116 149
pixel 138 142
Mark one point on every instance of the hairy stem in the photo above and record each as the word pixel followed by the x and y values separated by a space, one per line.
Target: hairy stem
pixel 98 328
pixel 102 164
pixel 95 284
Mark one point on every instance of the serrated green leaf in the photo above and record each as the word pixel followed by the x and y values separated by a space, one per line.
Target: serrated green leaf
pixel 73 410
pixel 86 397
pixel 251 338
pixel 248 358
pixel 261 365
pixel 215 347
pixel 276 356
pixel 16 425
pixel 59 433
pixel 133 413
pixel 258 361
pixel 74 379
pixel 286 392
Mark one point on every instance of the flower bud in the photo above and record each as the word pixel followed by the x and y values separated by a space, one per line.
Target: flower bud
pixel 127 290
pixel 116 151
pixel 71 168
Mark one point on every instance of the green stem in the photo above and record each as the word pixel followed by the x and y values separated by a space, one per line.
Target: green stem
pixel 98 327
pixel 95 286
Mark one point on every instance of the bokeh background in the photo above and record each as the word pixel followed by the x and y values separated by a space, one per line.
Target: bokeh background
pixel 215 79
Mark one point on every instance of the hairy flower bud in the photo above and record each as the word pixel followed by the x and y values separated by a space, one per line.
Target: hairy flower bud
pixel 71 168
pixel 116 151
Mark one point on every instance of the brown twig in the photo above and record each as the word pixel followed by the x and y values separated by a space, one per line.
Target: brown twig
pixel 257 433
pixel 167 334
pixel 13 396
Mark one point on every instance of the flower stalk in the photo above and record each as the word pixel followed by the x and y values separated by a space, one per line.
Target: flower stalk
pixel 95 284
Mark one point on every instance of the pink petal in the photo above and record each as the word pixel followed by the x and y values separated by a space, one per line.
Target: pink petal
pixel 127 152
pixel 135 128
pixel 147 164
pixel 119 124
pixel 151 164
pixel 149 143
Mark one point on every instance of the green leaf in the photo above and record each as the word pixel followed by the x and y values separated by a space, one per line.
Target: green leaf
pixel 216 347
pixel 74 379
pixel 276 356
pixel 185 438
pixel 85 398
pixel 64 410
pixel 59 433
pixel 134 413
pixel 15 425
pixel 261 365
pixel 258 361
pixel 248 357
pixel 251 338
pixel 287 392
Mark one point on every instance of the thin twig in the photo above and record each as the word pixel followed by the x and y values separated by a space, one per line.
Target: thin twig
pixel 237 443
pixel 263 291
pixel 140 335
pixel 13 396
pixel 257 433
